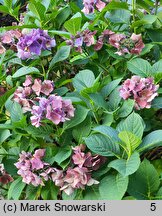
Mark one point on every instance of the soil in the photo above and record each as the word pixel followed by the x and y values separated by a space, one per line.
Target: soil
pixel 6 20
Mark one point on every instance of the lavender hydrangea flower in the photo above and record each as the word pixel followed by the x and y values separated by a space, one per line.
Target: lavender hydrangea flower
pixel 29 165
pixel 33 43
pixel 142 90
pixel 82 38
pixel 53 108
pixel 25 95
pixel 90 5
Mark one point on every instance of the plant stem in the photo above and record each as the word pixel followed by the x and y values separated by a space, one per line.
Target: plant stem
pixel 133 12
pixel 156 6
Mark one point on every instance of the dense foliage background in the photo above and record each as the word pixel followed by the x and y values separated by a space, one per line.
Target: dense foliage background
pixel 80 99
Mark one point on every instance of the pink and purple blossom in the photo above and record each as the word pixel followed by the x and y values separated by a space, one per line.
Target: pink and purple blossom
pixel 33 43
pixel 91 5
pixel 142 90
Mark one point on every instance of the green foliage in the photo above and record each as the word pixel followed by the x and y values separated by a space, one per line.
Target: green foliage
pixel 94 55
pixel 126 167
pixel 113 187
pixel 148 182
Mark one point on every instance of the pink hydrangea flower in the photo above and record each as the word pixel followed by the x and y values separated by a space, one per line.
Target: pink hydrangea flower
pixel 86 37
pixel 90 5
pixel 54 108
pixel 2 49
pixel 25 95
pixel 29 165
pixel 142 90
pixel 33 43
pixel 77 177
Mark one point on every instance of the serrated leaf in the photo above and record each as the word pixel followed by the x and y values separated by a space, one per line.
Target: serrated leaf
pixel 151 140
pixel 16 189
pixel 106 90
pixel 4 134
pixel 145 182
pixel 139 67
pixel 4 97
pixel 79 116
pixel 62 54
pixel 63 154
pixel 82 130
pixel 84 79
pixel 130 141
pixel 24 71
pixel 132 123
pixel 113 187
pixel 126 167
pixel 107 131
pixel 102 145
pixel 126 108
pixel 73 25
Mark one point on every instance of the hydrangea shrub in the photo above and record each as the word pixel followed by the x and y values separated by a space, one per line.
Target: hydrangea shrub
pixel 80 100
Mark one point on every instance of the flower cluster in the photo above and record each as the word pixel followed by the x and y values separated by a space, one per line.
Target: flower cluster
pixel 29 165
pixel 9 38
pixel 5 178
pixel 31 89
pixel 124 44
pixel 53 108
pixel 142 90
pixel 91 5
pixel 35 171
pixel 82 38
pixel 80 175
pixel 36 98
pixel 34 43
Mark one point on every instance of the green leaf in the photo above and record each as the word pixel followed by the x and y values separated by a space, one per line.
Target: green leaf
pixel 131 142
pixel 16 189
pixel 132 123
pixel 84 79
pixel 150 141
pixel 79 116
pixel 8 4
pixel 107 131
pixel 106 90
pixel 113 187
pixel 146 20
pixel 117 5
pixel 157 67
pixel 114 99
pixel 73 25
pixel 63 154
pixel 119 16
pixel 42 131
pixel 157 103
pixel 98 100
pixel 139 67
pixel 4 134
pixel 4 9
pixel 62 54
pixel 126 167
pixel 31 192
pixel 6 95
pixel 37 9
pixel 155 34
pixel 92 193
pixel 15 110
pixel 24 71
pixel 126 108
pixel 50 191
pixel 145 182
pixel 102 145
pixel 82 130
